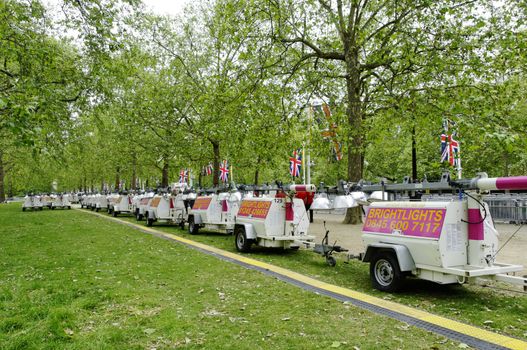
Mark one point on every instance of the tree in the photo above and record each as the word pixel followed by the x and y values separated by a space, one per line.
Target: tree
pixel 39 82
pixel 385 49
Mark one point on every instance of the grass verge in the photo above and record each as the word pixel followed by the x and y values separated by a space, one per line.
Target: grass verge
pixel 495 309
pixel 69 280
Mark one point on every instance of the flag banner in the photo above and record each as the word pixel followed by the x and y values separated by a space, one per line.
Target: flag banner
pixel 209 168
pixel 450 148
pixel 330 132
pixel 183 176
pixel 224 171
pixel 295 163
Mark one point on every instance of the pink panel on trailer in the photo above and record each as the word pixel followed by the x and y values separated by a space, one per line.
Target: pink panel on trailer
pixel 224 207
pixel 512 183
pixel 475 231
pixel 289 213
pixel 415 222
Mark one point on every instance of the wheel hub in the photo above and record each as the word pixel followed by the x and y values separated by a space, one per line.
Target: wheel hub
pixel 384 272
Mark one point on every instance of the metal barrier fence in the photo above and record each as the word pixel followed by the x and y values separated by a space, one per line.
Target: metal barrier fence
pixel 511 208
pixel 508 208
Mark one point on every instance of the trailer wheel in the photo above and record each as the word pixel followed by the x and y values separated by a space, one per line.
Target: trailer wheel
pixel 243 244
pixel 139 216
pixel 182 224
pixel 97 209
pixel 149 222
pixel 385 273
pixel 193 229
pixel 331 261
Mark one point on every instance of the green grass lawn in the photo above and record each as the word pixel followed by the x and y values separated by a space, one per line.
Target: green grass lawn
pixel 71 280
pixel 495 309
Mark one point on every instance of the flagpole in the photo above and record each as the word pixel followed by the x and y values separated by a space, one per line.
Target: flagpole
pixel 308 157
pixel 303 159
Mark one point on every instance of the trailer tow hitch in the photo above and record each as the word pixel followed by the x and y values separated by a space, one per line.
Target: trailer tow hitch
pixel 326 250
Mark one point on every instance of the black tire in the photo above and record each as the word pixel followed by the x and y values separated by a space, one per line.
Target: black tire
pixel 385 273
pixel 242 243
pixel 97 209
pixel 114 213
pixel 193 229
pixel 109 210
pixel 182 224
pixel 331 261
pixel 149 222
pixel 138 216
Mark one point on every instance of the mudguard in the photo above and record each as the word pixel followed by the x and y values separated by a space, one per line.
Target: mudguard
pixel 197 219
pixel 406 262
pixel 250 233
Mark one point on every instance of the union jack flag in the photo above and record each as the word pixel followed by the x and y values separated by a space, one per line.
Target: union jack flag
pixel 295 163
pixel 444 148
pixel 450 150
pixel 209 169
pixel 224 171
pixel 453 151
pixel 183 176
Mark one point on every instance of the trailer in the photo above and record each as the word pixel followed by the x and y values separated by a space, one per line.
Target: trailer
pixel 32 202
pixel 120 204
pixel 140 203
pixel 279 221
pixel 441 241
pixel 216 212
pixel 46 200
pixel 60 201
pixel 169 208
pixel 99 202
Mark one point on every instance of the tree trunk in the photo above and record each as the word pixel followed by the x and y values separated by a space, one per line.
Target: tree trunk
pixel 117 177
pixel 10 187
pixel 2 193
pixel 133 183
pixel 164 179
pixel 354 114
pixel 216 161
pixel 257 171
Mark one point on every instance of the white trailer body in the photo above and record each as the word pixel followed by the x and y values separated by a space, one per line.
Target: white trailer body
pixel 32 202
pixel 280 222
pixel 46 201
pixel 216 212
pixel 140 205
pixel 100 202
pixel 60 201
pixel 167 208
pixel 122 204
pixel 444 242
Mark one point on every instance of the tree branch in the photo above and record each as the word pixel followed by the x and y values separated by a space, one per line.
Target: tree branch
pixel 317 51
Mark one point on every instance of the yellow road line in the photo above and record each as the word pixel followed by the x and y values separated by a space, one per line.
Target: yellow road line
pixel 440 321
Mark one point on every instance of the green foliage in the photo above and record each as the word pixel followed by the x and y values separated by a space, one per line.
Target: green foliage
pixel 126 94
